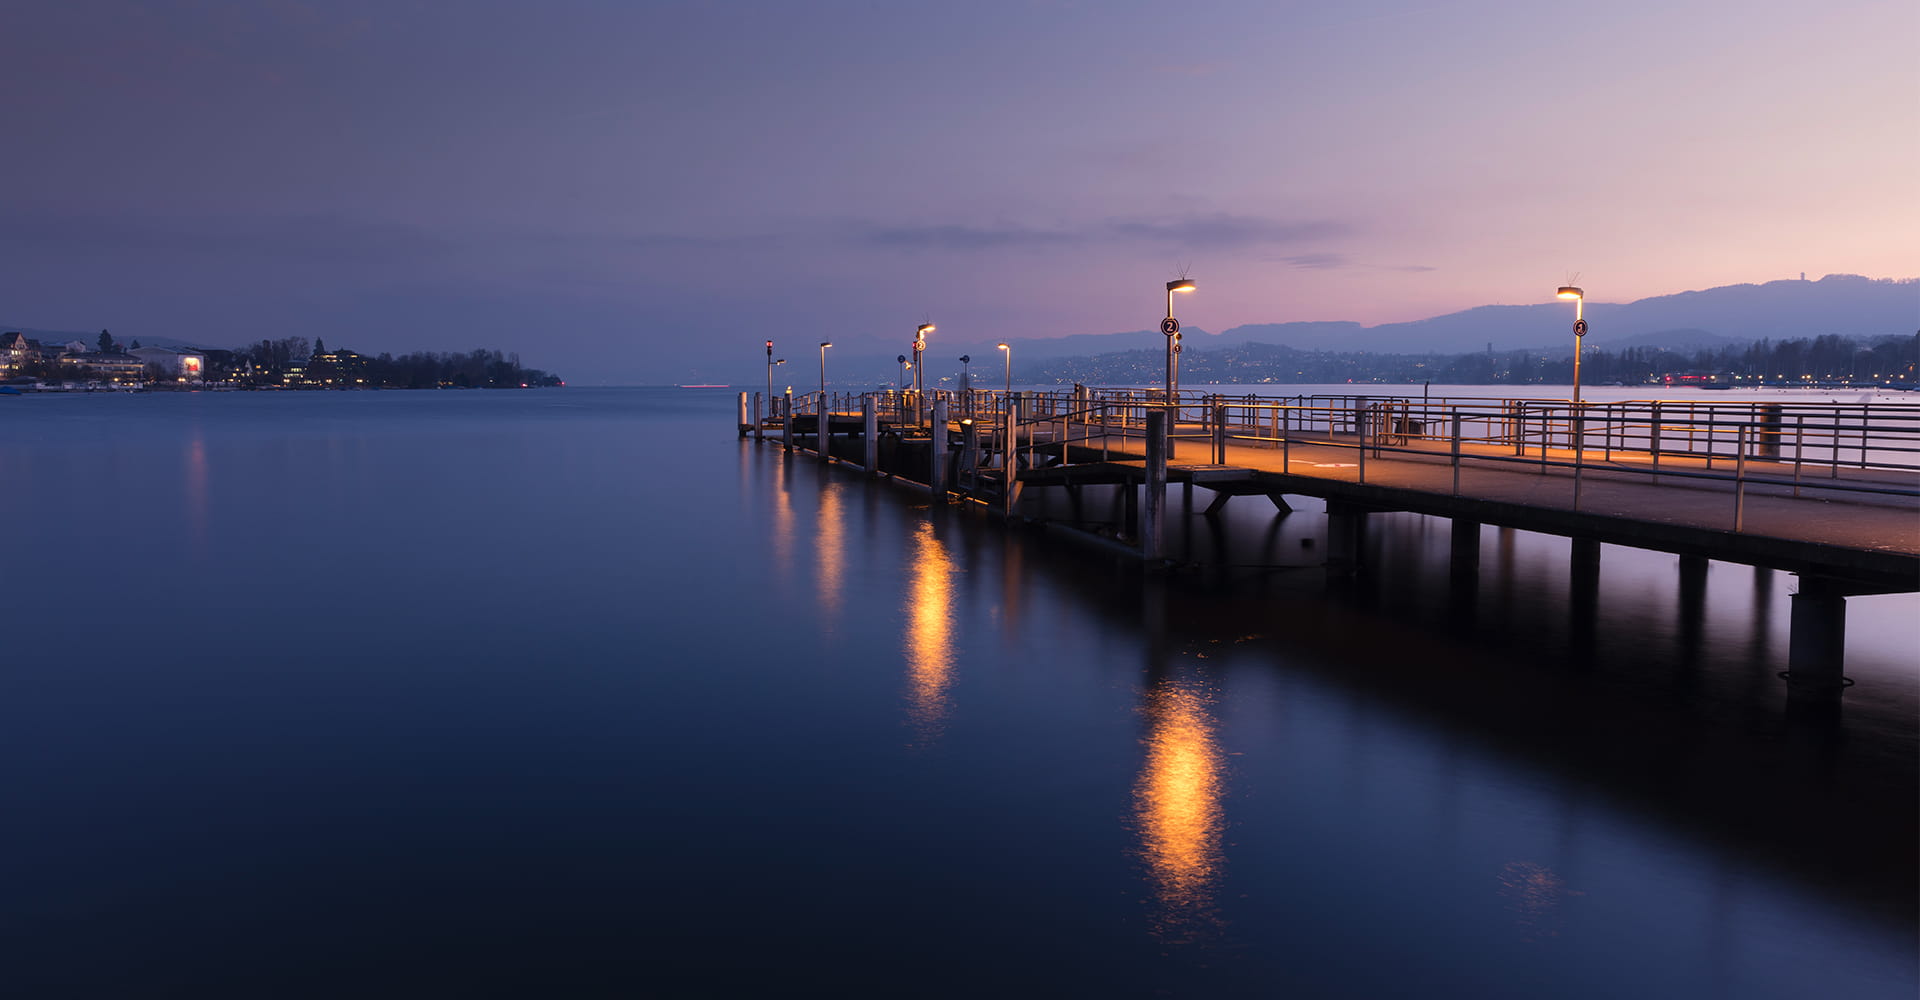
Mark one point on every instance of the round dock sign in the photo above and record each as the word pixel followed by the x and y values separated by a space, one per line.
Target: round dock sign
pixel 1169 326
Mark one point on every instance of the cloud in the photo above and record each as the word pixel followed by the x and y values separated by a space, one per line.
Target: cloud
pixel 1197 232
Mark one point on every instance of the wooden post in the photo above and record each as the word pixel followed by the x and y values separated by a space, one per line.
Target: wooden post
pixel 759 420
pixel 1153 511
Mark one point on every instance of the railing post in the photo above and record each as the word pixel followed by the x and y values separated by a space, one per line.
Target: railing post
pixel 1362 416
pixel 1579 462
pixel 1740 479
pixel 1798 430
pixel 1654 446
pixel 1153 511
pixel 1456 452
pixel 1219 433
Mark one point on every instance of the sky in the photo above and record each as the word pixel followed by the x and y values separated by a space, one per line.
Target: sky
pixel 644 192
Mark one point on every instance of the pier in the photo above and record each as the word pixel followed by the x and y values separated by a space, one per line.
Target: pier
pixel 1827 491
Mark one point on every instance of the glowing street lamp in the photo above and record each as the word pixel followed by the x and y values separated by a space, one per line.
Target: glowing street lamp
pixel 823 366
pixel 919 345
pixel 1009 352
pixel 1579 330
pixel 1171 327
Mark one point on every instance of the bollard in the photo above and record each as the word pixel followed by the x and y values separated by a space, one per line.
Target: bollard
pixel 786 421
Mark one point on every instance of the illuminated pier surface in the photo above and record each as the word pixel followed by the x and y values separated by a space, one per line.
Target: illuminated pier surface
pixel 1830 492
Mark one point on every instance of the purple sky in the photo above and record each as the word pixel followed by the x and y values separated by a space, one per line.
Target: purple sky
pixel 617 190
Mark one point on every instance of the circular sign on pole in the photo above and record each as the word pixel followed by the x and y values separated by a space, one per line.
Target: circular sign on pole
pixel 1579 327
pixel 1169 326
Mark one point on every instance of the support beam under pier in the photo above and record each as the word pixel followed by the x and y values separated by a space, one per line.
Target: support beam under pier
pixel 1817 639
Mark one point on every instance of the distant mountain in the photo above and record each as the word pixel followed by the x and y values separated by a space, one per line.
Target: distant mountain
pixel 1844 304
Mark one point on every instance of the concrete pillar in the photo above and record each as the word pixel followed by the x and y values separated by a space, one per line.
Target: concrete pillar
pixel 1583 600
pixel 1817 639
pixel 1153 511
pixel 1693 607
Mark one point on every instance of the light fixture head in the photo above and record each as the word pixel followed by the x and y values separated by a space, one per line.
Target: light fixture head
pixel 826 343
pixel 1569 292
pixel 1003 347
pixel 924 329
pixel 1181 285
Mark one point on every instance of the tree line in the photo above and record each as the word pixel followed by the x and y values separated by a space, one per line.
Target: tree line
pixel 1826 358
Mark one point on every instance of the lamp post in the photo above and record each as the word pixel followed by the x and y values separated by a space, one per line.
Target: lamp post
pixel 1009 352
pixel 919 345
pixel 1579 330
pixel 1171 327
pixel 769 376
pixel 823 368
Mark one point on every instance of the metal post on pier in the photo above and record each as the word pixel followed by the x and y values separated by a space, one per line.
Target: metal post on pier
pixel 759 418
pixel 1456 451
pixel 937 451
pixel 1153 511
pixel 743 415
pixel 1219 432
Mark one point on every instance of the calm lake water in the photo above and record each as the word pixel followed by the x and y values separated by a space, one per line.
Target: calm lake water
pixel 570 693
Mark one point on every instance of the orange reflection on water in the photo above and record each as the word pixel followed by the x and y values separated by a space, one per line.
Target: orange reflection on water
pixel 929 637
pixel 1177 805
pixel 196 490
pixel 782 527
pixel 832 548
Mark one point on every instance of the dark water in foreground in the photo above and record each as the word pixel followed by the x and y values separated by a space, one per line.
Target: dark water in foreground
pixel 567 693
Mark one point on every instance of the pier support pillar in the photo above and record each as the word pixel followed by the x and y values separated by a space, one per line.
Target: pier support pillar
pixel 1466 549
pixel 1346 526
pixel 1583 600
pixel 937 451
pixel 1154 511
pixel 870 430
pixel 744 426
pixel 1816 640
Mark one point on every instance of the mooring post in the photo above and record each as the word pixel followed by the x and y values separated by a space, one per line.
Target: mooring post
pixel 870 430
pixel 937 450
pixel 1816 639
pixel 786 421
pixel 743 415
pixel 1153 511
pixel 759 418
pixel 822 429
pixel 1010 447
pixel 1219 433
pixel 969 454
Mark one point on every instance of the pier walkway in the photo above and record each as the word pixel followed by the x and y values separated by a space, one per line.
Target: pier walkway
pixel 1830 492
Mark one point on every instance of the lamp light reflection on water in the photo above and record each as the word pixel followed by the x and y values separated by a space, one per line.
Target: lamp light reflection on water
pixel 832 535
pixel 1177 806
pixel 929 638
